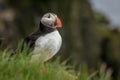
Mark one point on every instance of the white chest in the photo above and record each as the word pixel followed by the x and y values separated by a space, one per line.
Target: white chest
pixel 47 45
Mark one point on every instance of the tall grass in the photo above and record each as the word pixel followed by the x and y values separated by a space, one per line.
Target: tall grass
pixel 19 67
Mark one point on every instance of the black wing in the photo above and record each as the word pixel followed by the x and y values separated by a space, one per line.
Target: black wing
pixel 30 39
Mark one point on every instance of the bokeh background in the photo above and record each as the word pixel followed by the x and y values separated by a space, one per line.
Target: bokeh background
pixel 90 28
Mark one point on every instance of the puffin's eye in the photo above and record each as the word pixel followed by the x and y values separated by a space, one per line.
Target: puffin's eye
pixel 49 16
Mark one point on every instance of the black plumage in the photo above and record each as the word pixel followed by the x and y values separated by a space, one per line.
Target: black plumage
pixel 29 41
pixel 41 31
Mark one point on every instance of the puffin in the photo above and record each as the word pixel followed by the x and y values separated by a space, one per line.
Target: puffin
pixel 46 40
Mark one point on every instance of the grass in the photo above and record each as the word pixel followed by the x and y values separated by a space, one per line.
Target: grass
pixel 19 67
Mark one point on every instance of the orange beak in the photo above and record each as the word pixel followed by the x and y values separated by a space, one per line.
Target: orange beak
pixel 59 23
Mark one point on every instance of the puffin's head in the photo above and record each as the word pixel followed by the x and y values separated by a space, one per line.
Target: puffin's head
pixel 51 20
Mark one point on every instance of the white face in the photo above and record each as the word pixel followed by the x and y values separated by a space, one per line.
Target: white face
pixel 49 20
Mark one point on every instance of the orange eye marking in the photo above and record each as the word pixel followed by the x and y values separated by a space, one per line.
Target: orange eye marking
pixel 53 23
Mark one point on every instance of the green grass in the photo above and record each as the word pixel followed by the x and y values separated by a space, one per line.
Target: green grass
pixel 19 67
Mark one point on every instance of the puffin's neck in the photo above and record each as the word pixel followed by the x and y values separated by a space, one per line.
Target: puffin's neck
pixel 45 29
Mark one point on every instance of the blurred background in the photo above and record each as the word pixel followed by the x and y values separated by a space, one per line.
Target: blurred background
pixel 90 28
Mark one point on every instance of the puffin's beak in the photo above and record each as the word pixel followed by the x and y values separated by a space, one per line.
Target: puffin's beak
pixel 59 23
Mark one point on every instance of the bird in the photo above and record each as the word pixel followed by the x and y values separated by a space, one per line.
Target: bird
pixel 46 40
